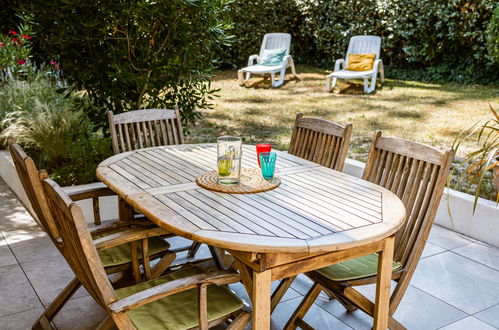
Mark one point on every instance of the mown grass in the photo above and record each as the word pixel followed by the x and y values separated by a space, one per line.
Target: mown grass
pixel 433 114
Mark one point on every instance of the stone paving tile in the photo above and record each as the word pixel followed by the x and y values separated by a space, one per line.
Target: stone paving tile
pixel 17 295
pixel 82 313
pixel 447 239
pixel 316 316
pixel 461 282
pixel 22 320
pixel 489 316
pixel 49 276
pixel 6 256
pixel 431 249
pixel 480 252
pixel 468 323
pixel 30 244
pixel 418 310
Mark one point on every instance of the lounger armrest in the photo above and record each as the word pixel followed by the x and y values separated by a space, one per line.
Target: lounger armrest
pixel 288 59
pixel 127 236
pixel 167 289
pixel 339 64
pixel 86 191
pixel 252 59
pixel 376 66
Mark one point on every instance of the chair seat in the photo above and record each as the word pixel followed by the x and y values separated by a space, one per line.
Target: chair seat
pixel 347 74
pixel 361 267
pixel 179 311
pixel 119 255
pixel 262 68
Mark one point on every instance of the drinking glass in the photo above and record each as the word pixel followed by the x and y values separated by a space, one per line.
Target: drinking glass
pixel 229 152
pixel 262 147
pixel 267 161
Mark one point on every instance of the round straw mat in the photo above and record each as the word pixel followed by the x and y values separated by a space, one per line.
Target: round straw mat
pixel 251 182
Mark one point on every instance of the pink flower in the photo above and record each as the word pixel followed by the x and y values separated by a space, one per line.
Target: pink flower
pixel 53 62
pixel 2 44
pixel 21 62
pixel 14 33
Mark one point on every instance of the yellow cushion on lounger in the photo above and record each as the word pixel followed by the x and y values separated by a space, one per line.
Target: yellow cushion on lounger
pixel 360 62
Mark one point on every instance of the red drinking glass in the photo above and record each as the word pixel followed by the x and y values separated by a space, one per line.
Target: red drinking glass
pixel 262 147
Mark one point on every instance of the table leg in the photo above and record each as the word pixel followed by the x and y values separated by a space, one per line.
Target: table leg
pixel 262 282
pixel 383 282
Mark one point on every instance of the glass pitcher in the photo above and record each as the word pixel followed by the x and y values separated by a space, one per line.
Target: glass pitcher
pixel 229 152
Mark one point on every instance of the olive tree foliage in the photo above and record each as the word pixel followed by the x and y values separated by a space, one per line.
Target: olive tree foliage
pixel 135 54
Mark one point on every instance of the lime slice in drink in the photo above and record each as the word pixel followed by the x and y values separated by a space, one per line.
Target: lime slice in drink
pixel 224 166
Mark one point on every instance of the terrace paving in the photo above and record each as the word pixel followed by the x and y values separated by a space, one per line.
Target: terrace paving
pixel 456 284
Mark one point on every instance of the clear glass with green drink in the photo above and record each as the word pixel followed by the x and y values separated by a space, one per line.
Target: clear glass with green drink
pixel 229 152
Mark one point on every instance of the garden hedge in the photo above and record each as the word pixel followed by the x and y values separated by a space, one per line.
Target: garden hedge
pixel 437 40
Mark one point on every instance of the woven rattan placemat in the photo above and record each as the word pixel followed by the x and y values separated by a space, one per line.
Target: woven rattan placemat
pixel 251 182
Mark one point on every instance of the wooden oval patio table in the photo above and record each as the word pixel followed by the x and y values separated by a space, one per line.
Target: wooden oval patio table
pixel 316 217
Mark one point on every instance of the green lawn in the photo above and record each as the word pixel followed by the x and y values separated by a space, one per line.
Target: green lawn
pixel 428 113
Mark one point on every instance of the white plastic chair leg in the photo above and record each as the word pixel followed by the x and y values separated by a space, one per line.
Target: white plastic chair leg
pixel 293 70
pixel 240 77
pixel 366 85
pixel 330 82
pixel 272 77
pixel 282 75
pixel 247 76
pixel 382 72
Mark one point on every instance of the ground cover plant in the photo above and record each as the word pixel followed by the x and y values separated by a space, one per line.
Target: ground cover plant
pixel 433 114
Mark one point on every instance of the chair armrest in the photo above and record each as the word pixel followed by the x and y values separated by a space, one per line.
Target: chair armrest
pixel 252 58
pixel 338 63
pixel 138 299
pixel 287 60
pixel 127 236
pixel 85 191
pixel 109 226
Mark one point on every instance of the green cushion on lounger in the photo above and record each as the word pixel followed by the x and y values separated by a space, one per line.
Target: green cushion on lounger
pixel 364 266
pixel 119 255
pixel 179 311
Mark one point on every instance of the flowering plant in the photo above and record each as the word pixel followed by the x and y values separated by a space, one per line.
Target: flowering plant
pixel 15 50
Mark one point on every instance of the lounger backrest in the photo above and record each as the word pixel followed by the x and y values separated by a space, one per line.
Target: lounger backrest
pixel 276 40
pixel 364 45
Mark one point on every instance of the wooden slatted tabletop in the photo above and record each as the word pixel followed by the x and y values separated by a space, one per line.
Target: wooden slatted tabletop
pixel 314 209
pixel 317 216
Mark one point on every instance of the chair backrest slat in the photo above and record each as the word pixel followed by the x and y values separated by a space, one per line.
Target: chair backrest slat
pixel 364 45
pixel 145 128
pixel 32 184
pixel 79 252
pixel 276 40
pixel 417 174
pixel 320 141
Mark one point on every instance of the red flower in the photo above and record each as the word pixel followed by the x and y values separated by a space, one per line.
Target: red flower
pixel 26 37
pixel 21 62
pixel 2 44
pixel 16 41
pixel 14 33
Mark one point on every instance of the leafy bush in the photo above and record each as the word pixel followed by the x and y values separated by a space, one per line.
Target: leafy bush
pixel 135 54
pixel 493 36
pixel 252 19
pixel 53 127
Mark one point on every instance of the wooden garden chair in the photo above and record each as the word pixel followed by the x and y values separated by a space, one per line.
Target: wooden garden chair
pixel 120 257
pixel 320 141
pixel 417 174
pixel 146 128
pixel 184 299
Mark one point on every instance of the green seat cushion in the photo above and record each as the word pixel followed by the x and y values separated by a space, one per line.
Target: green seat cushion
pixel 364 266
pixel 272 57
pixel 179 311
pixel 119 255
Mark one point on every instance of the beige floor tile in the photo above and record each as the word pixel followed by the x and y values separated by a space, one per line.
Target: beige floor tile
pixel 23 320
pixel 30 244
pixel 81 313
pixel 17 295
pixel 6 256
pixel 49 276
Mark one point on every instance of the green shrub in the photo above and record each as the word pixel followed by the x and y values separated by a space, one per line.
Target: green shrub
pixel 493 36
pixel 53 128
pixel 135 54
